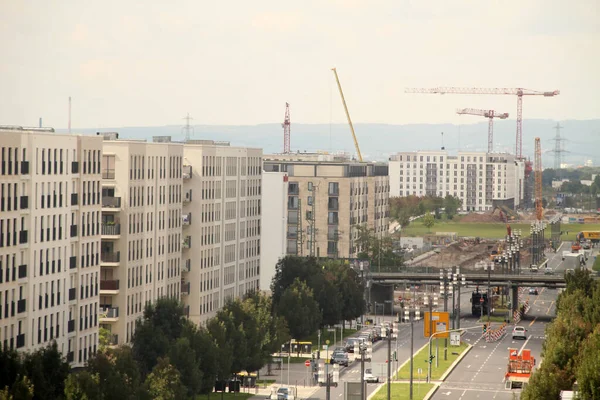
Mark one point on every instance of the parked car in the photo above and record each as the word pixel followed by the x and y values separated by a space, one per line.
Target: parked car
pixel 340 358
pixel 350 344
pixel 369 377
pixel 533 291
pixel 548 271
pixel 519 332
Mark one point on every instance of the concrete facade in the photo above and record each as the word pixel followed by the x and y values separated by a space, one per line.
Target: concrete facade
pixel 50 241
pixel 142 224
pixel 221 249
pixel 476 178
pixel 329 197
pixel 273 239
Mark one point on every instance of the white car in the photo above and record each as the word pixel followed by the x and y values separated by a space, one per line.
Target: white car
pixel 369 377
pixel 519 332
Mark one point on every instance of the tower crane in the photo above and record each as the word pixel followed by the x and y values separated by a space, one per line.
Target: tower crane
pixel 519 92
pixel 286 130
pixel 490 114
pixel 359 155
pixel 539 212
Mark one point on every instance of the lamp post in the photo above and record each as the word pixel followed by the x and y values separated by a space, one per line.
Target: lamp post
pixel 389 363
pixel 458 280
pixel 362 349
pixel 490 268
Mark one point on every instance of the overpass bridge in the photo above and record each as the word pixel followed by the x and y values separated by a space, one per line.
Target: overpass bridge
pixel 537 280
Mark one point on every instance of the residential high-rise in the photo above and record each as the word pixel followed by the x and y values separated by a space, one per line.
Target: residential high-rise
pixel 142 224
pixel 221 251
pixel 49 241
pixel 329 197
pixel 481 180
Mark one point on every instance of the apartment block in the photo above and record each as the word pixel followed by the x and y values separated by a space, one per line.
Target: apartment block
pixel 481 180
pixel 221 243
pixel 142 223
pixel 50 210
pixel 329 197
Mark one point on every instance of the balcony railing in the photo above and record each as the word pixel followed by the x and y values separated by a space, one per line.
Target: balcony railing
pixel 111 312
pixel 111 202
pixel 187 197
pixel 187 172
pixel 72 262
pixel 108 174
pixel 111 229
pixel 185 288
pixel 22 271
pixel 186 218
pixel 109 284
pixel 23 237
pixel 21 306
pixel 73 230
pixel 75 167
pixel 24 167
pixel 186 243
pixel 110 256
pixel 24 202
pixel 187 266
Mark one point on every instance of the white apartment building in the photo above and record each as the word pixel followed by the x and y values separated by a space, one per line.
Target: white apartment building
pixel 273 239
pixel 329 196
pixel 221 250
pixel 481 180
pixel 142 224
pixel 49 241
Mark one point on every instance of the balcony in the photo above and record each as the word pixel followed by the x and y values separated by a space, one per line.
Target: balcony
pixel 72 294
pixel 108 174
pixel 114 340
pixel 73 262
pixel 109 286
pixel 75 167
pixel 21 306
pixel 111 203
pixel 186 243
pixel 24 167
pixel 185 288
pixel 20 340
pixel 71 326
pixel 24 202
pixel 110 314
pixel 23 237
pixel 187 172
pixel 22 271
pixel 108 257
pixel 73 230
pixel 111 229
pixel 74 199
pixel 187 197
pixel 186 218
pixel 187 266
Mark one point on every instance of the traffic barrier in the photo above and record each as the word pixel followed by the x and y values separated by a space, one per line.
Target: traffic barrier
pixel 493 335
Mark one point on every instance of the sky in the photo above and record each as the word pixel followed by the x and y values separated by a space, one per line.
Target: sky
pixel 133 63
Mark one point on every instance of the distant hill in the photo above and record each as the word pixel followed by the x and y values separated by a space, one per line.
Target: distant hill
pixel 378 141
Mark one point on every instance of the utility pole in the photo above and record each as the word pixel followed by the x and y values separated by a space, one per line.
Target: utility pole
pixel 328 380
pixel 412 333
pixel 362 350
pixel 389 364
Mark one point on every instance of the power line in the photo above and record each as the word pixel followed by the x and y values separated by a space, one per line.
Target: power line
pixel 188 128
pixel 558 148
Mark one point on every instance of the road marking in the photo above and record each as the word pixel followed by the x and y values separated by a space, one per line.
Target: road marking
pixel 532 322
pixel 524 344
pixel 551 304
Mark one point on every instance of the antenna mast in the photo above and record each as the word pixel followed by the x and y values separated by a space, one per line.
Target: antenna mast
pixel 188 128
pixel 286 130
pixel 558 147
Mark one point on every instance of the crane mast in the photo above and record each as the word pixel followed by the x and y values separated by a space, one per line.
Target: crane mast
pixel 490 114
pixel 359 155
pixel 539 211
pixel 286 130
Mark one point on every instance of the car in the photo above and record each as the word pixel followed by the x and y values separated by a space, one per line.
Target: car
pixel 369 377
pixel 570 271
pixel 533 291
pixel 350 344
pixel 534 268
pixel 340 358
pixel 519 332
pixel 548 271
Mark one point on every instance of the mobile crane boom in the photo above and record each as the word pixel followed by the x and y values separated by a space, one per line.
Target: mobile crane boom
pixel 348 116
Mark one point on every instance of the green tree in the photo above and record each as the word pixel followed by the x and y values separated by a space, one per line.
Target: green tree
pixel 22 389
pixel 183 357
pixel 164 382
pixel 428 221
pixel 103 339
pixel 225 353
pixel 350 288
pixel 451 205
pixel 118 374
pixel 588 376
pixel 47 370
pixel 83 386
pixel 299 308
pixel 10 365
pixel 208 357
pixel 288 269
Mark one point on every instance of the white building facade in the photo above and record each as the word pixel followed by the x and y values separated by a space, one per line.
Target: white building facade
pixel 142 224
pixel 479 179
pixel 274 222
pixel 50 241
pixel 221 251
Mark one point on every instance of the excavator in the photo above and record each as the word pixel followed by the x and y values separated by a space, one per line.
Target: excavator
pixel 495 255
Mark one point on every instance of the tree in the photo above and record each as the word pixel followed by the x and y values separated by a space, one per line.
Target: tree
pixel 428 221
pixel 164 383
pixel 103 339
pixel 299 308
pixel 83 386
pixel 22 389
pixel 118 374
pixel 183 358
pixel 47 370
pixel 588 378
pixel 350 288
pixel 288 269
pixel 451 205
pixel 225 353
pixel 208 357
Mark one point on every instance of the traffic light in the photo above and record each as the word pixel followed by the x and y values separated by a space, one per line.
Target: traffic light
pixel 431 359
pixel 395 356
pixel 484 328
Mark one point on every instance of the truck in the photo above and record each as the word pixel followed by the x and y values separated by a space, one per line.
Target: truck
pixel 479 308
pixel 520 367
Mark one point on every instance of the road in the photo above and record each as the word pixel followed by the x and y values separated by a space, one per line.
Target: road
pixel 481 373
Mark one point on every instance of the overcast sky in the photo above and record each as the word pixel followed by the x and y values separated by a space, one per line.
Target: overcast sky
pixel 145 63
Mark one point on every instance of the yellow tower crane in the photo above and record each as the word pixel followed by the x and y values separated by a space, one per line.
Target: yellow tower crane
pixel 348 116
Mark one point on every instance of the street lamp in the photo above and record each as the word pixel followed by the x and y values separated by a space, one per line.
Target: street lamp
pixel 458 280
pixel 489 267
